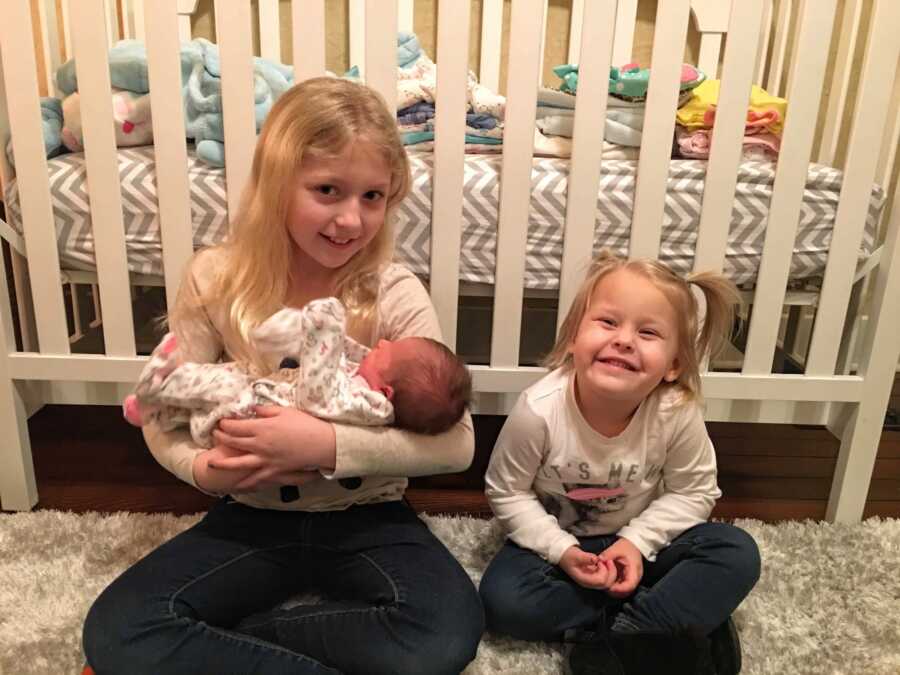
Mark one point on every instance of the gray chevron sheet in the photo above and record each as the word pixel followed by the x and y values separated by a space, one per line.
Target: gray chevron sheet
pixel 684 198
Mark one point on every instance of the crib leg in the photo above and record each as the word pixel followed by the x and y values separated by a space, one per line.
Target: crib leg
pixel 878 362
pixel 18 490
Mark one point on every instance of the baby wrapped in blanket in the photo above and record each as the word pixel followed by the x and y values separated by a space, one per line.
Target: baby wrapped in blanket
pixel 416 383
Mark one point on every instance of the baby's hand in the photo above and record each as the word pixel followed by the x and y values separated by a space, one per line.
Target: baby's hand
pixel 587 569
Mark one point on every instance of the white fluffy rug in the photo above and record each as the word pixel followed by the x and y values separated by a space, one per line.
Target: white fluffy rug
pixel 828 601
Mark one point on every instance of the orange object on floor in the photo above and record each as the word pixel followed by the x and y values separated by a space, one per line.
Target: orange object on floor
pixel 87 671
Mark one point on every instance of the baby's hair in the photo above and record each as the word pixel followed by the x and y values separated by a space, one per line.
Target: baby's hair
pixel 318 118
pixel 694 341
pixel 431 392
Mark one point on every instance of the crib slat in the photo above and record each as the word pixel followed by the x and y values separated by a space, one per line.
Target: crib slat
pixel 136 20
pixel 357 26
pixel 269 31
pixel 50 39
pixel 405 10
pixel 381 49
pixel 112 21
pixel 792 59
pixel 587 148
pixel 725 154
pixel 102 164
pixel 543 38
pixel 184 27
pixel 763 52
pixel 711 19
pixel 889 148
pixel 491 31
pixel 67 31
pixel 449 148
pixel 515 189
pixel 576 22
pixel 623 42
pixel 232 18
pixel 659 126
pixel 790 180
pixel 127 19
pixel 840 81
pixel 873 102
pixel 20 78
pixel 172 185
pixel 308 19
pixel 779 48
pixel 710 48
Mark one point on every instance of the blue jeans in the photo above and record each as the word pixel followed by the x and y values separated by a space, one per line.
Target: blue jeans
pixel 694 584
pixel 396 601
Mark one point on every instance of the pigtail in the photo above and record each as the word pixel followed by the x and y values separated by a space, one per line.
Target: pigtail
pixel 716 319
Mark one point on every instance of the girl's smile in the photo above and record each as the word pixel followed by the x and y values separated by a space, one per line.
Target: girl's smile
pixel 625 346
pixel 338 206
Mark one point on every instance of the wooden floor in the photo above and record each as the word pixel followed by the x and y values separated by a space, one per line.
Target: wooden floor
pixel 88 459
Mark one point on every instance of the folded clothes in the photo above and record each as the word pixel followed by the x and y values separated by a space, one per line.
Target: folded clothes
pixel 696 144
pixel 629 81
pixel 764 111
pixel 623 127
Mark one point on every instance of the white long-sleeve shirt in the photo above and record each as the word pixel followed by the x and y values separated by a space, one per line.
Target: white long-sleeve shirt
pixel 552 476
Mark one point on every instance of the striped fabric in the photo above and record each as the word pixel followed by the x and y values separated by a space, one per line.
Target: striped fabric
pixel 684 199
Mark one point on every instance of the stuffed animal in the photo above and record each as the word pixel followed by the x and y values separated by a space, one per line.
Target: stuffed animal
pixel 131 118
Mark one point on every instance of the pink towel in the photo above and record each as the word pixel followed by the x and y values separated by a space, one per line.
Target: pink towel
pixel 696 144
pixel 758 121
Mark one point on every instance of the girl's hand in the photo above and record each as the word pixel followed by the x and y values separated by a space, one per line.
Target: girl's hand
pixel 216 480
pixel 586 569
pixel 629 566
pixel 283 446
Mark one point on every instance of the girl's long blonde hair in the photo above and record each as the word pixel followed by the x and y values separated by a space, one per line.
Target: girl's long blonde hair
pixel 694 340
pixel 317 118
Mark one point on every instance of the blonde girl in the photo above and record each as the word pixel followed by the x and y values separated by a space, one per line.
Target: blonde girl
pixel 314 221
pixel 604 477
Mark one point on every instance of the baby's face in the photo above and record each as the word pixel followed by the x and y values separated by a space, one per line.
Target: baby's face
pixel 379 364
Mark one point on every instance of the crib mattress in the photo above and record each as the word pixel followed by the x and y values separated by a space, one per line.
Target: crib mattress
pixel 684 198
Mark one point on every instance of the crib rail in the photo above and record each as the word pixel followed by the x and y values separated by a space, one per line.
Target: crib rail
pixel 784 43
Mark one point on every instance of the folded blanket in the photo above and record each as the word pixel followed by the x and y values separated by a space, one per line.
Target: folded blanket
pixel 51 125
pixel 201 85
pixel 624 119
pixel 696 144
pixel 763 109
pixel 624 124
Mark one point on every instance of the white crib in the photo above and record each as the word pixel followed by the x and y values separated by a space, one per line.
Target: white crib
pixel 847 393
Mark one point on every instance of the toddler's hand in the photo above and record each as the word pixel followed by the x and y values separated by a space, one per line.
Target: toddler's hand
pixel 629 566
pixel 587 569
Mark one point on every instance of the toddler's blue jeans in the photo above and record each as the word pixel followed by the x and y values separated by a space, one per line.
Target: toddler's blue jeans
pixel 693 585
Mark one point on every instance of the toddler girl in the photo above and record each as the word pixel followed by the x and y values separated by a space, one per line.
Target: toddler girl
pixel 604 477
